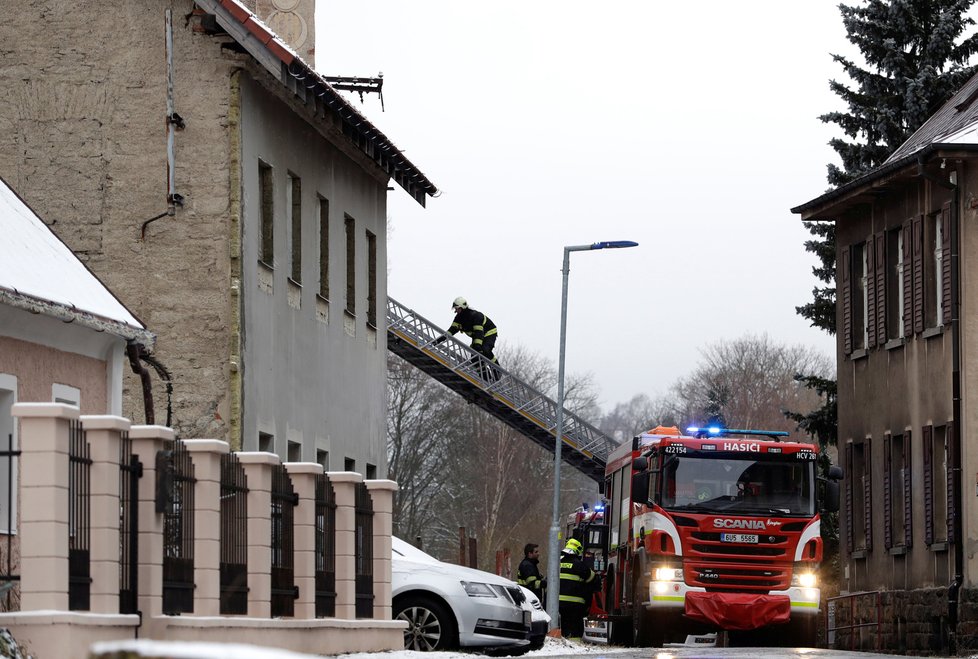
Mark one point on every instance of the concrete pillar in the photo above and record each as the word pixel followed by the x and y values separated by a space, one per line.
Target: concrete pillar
pixel 44 429
pixel 206 456
pixel 382 496
pixel 258 468
pixel 104 434
pixel 303 475
pixel 344 486
pixel 147 441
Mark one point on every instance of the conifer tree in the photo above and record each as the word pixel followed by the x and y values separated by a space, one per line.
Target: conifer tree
pixel 914 65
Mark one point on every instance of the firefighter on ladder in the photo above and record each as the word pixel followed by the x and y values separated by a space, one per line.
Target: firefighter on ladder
pixel 478 326
pixel 577 583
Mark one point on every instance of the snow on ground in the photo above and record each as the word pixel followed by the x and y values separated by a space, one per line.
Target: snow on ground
pixel 552 646
pixel 181 650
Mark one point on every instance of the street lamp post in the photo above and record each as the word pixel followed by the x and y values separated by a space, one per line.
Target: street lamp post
pixel 553 554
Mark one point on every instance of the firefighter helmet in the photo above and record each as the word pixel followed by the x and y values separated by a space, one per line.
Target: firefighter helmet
pixel 460 303
pixel 573 547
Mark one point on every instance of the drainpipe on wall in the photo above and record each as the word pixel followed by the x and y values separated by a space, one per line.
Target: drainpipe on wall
pixel 954 588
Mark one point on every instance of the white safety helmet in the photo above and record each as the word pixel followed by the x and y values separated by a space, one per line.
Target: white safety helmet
pixel 460 303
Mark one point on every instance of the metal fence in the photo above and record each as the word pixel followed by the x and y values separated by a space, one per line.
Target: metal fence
pixel 175 499
pixel 79 519
pixel 364 558
pixel 10 547
pixel 325 547
pixel 234 536
pixel 130 471
pixel 284 501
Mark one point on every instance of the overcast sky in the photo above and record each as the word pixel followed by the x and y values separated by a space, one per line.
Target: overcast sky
pixel 691 128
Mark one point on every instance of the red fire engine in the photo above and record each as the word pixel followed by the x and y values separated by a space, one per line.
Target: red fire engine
pixel 715 530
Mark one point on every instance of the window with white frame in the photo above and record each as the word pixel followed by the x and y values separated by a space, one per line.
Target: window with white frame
pixel 894 283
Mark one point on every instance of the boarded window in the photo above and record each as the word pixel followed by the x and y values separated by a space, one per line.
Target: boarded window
pixel 371 279
pixel 933 255
pixel 324 248
pixel 928 436
pixel 265 186
pixel 351 266
pixel 845 287
pixel 295 226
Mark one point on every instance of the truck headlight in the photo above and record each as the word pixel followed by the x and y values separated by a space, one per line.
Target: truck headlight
pixel 804 579
pixel 667 574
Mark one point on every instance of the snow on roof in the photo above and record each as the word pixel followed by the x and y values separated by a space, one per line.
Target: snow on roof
pixel 34 263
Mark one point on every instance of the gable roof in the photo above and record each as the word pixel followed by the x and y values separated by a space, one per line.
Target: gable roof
pixel 952 130
pixel 39 273
pixel 311 88
pixel 955 123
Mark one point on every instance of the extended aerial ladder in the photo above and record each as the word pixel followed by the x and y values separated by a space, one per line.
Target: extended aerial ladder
pixel 500 393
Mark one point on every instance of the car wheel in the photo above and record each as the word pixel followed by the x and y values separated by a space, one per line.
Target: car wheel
pixel 431 626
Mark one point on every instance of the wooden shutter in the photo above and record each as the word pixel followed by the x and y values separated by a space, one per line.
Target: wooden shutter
pixel 881 267
pixel 946 264
pixel 928 433
pixel 887 491
pixel 868 493
pixel 907 491
pixel 952 499
pixel 908 278
pixel 849 477
pixel 870 292
pixel 846 289
pixel 918 274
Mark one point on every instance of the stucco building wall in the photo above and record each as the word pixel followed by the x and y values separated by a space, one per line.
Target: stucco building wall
pixel 83 112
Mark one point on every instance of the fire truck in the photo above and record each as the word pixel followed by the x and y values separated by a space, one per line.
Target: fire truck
pixel 712 530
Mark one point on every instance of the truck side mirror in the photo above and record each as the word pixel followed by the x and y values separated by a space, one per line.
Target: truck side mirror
pixel 835 473
pixel 640 463
pixel 830 504
pixel 640 488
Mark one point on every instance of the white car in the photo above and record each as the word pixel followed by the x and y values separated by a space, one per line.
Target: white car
pixel 540 619
pixel 449 606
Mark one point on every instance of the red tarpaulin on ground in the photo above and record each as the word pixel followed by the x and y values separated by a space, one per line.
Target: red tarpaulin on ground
pixel 738 611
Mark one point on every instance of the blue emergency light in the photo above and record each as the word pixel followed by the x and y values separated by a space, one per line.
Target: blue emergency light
pixel 714 430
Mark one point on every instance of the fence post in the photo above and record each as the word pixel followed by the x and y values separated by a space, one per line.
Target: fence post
pixel 104 434
pixel 382 494
pixel 147 441
pixel 44 429
pixel 303 475
pixel 345 486
pixel 206 457
pixel 258 469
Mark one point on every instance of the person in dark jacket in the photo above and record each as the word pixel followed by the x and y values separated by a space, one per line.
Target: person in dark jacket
pixel 577 583
pixel 478 326
pixel 528 573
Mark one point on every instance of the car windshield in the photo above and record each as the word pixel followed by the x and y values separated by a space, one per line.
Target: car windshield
pixel 735 483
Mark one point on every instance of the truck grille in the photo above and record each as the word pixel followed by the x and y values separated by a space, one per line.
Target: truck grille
pixel 768 546
pixel 737 577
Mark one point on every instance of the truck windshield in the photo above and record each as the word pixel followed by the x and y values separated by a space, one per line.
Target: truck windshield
pixel 735 483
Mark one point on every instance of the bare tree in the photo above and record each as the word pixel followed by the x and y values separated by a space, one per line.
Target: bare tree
pixel 422 421
pixel 476 471
pixel 641 413
pixel 748 383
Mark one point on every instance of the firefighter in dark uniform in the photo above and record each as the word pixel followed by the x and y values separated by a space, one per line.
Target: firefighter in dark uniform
pixel 577 583
pixel 528 573
pixel 476 325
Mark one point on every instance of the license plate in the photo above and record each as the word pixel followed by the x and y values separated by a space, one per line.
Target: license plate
pixel 738 537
